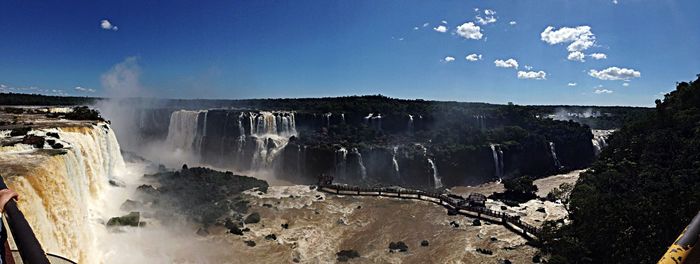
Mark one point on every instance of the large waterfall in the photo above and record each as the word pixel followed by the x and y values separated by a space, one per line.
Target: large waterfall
pixel 259 138
pixel 437 183
pixel 600 138
pixel 553 150
pixel 497 160
pixel 61 195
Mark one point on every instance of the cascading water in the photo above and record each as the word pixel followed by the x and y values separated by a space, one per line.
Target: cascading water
pixel 62 195
pixel 341 156
pixel 182 131
pixel 599 140
pixel 395 163
pixel 436 177
pixel 410 123
pixel 553 150
pixel 497 160
pixel 360 163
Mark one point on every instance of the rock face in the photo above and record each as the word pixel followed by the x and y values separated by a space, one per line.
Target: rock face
pixel 36 141
pixel 252 218
pixel 422 149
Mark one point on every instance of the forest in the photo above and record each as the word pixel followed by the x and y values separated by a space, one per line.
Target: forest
pixel 640 193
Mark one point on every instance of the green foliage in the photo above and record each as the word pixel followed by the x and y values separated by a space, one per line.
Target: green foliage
pixel 641 192
pixel 560 193
pixel 37 99
pixel 83 113
pixel 521 188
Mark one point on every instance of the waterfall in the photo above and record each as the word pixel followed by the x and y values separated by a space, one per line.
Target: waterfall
pixel 497 160
pixel 328 119
pixel 62 195
pixel 599 140
pixel 361 164
pixel 552 149
pixel 436 178
pixel 395 163
pixel 182 131
pixel 410 123
pixel 341 156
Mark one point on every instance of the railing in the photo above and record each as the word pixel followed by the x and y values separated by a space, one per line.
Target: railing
pixel 528 231
pixel 28 246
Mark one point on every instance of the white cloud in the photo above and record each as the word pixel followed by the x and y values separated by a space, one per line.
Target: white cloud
pixel 415 28
pixel 626 84
pixel 441 29
pixel 485 20
pixel 599 56
pixel 527 67
pixel 509 63
pixel 512 23
pixel 614 74
pixel 106 25
pixel 444 21
pixel 615 2
pixel 571 84
pixel 476 9
pixel 489 12
pixel 473 57
pixel 469 31
pixel 82 89
pixel 602 91
pixel 576 56
pixel 581 37
pixel 449 59
pixel 532 75
pixel 426 24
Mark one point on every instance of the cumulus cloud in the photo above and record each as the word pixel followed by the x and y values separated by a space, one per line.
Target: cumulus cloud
pixel 580 38
pixel 473 57
pixel 615 74
pixel 469 31
pixel 83 89
pixel 576 56
pixel 532 75
pixel 599 56
pixel 571 84
pixel 512 23
pixel 449 59
pixel 509 63
pixel 106 25
pixel 440 28
pixel 602 91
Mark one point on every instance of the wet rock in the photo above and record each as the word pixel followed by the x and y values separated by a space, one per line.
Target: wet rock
pixel 476 222
pixel 424 243
pixel 452 212
pixel 359 207
pixel 484 251
pixel 536 259
pixel 20 131
pixel 253 218
pixel 541 210
pixel 285 226
pixel 271 237
pixel 36 141
pixel 454 224
pixel 117 183
pixel 245 229
pixel 249 243
pixel 53 134
pixel 398 247
pixel 131 219
pixel 202 232
pixel 503 207
pixel 147 189
pixel 505 261
pixel 493 238
pixel 345 255
pixel 233 227
pixel 295 260
pixel 131 205
pixel 267 205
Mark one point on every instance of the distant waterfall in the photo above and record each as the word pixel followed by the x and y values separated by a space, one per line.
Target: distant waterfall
pixel 183 131
pixel 436 177
pixel 497 160
pixel 395 162
pixel 410 123
pixel 328 119
pixel 553 150
pixel 361 164
pixel 341 157
pixel 374 120
pixel 599 140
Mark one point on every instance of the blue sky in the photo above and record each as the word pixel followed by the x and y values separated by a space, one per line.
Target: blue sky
pixel 254 49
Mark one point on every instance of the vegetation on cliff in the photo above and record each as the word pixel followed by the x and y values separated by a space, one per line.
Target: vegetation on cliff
pixel 641 193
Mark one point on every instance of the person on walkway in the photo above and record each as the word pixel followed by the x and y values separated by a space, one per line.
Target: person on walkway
pixel 5 196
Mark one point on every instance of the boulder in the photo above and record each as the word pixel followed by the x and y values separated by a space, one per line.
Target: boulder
pixel 36 141
pixel 484 251
pixel 285 226
pixel 130 205
pixel 53 135
pixel 249 243
pixel 271 237
pixel 252 218
pixel 345 255
pixel 20 131
pixel 454 224
pixel 476 222
pixel 398 247
pixel 131 219
pixel 424 243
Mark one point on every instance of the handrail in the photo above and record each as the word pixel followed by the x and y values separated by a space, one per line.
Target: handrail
pixel 681 248
pixel 450 203
pixel 28 246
